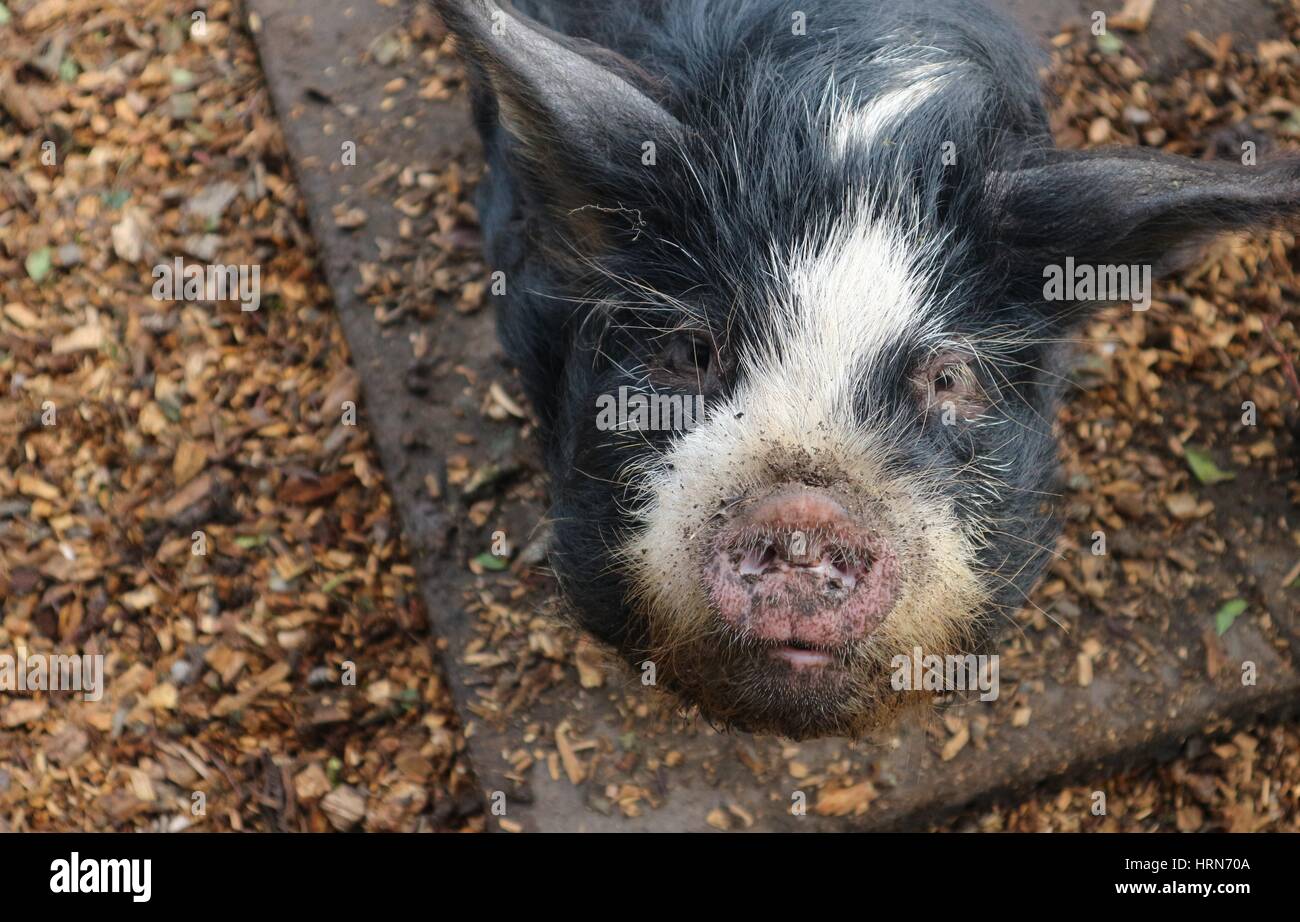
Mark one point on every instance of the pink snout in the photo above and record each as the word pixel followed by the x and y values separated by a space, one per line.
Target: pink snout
pixel 796 568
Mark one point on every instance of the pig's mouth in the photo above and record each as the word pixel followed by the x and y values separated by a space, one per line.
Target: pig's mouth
pixel 799 656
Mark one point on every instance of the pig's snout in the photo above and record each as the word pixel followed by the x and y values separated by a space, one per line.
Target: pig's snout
pixel 798 570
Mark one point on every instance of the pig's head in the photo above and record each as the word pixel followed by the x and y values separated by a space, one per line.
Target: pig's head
pixel 838 243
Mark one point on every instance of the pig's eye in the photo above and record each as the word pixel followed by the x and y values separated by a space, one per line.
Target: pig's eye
pixel 947 383
pixel 687 361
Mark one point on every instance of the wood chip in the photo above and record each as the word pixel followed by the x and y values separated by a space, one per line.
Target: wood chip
pixel 573 766
pixel 1134 17
pixel 345 806
pixel 853 800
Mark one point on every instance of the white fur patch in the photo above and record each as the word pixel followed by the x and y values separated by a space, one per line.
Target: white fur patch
pixel 851 298
pixel 857 128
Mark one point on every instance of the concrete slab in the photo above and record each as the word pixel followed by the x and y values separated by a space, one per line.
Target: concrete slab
pixel 533 723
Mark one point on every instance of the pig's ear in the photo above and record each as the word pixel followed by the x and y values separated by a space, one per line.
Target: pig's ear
pixel 576 110
pixel 1134 207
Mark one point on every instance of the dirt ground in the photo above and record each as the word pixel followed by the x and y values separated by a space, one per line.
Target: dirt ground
pixel 129 426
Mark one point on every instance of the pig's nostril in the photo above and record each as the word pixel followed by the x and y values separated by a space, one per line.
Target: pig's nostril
pixel 850 562
pixel 840 569
pixel 758 561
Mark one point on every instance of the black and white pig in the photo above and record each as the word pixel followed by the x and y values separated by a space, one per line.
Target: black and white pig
pixel 830 221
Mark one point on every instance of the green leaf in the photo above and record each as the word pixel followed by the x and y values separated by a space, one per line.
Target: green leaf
pixel 5 15
pixel 183 105
pixel 68 70
pixel 1108 43
pixel 490 562
pixel 1229 613
pixel 39 263
pixel 247 542
pixel 1204 468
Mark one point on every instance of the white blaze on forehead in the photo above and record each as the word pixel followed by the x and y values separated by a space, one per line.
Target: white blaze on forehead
pixel 842 302
pixel 851 299
pixel 860 128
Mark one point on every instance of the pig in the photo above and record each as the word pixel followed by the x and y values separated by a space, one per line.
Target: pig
pixel 828 223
